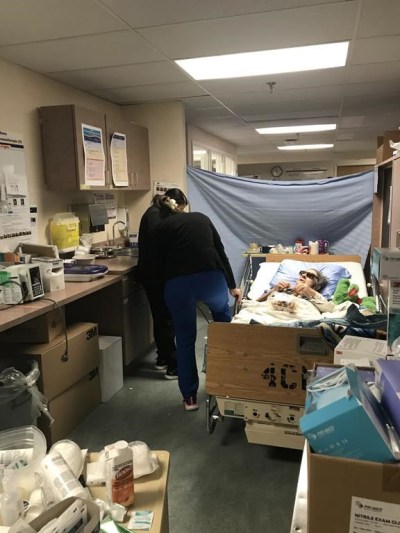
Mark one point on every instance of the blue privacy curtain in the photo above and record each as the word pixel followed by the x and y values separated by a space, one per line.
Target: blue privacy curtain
pixel 245 210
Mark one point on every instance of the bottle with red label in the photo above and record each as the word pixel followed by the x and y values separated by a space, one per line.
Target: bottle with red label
pixel 119 469
pixel 298 246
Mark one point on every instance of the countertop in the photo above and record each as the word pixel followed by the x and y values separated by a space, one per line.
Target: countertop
pixel 118 267
pixel 121 264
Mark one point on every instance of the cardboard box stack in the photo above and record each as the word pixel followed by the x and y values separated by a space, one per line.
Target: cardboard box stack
pixel 69 376
pixel 350 493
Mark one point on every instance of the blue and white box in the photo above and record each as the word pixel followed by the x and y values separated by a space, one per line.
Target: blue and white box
pixel 387 376
pixel 343 419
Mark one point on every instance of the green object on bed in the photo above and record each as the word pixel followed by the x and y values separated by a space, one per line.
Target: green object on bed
pixel 346 291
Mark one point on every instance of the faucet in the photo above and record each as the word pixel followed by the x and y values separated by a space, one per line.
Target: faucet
pixel 113 228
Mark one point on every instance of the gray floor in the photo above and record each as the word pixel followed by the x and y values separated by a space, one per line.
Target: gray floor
pixel 218 482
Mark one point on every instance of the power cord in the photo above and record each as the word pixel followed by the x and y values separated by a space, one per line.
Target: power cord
pixel 65 355
pixel 22 289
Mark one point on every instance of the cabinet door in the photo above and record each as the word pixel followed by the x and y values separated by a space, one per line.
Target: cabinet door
pixel 63 147
pixel 135 325
pixel 140 161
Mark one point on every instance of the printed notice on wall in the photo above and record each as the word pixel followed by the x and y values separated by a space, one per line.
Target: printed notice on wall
pixel 160 187
pixel 94 155
pixel 15 223
pixel 119 160
pixel 108 199
pixel 372 516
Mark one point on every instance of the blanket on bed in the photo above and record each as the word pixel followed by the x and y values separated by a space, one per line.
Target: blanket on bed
pixel 287 309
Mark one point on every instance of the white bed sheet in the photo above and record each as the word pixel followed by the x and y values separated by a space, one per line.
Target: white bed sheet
pixel 267 271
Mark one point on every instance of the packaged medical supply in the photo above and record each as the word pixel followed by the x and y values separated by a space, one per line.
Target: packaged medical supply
pixel 359 350
pixel 386 263
pixel 26 443
pixel 63 482
pixel 388 382
pixel 342 418
pixel 10 501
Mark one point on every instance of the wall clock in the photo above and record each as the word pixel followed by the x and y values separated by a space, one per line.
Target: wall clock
pixel 276 171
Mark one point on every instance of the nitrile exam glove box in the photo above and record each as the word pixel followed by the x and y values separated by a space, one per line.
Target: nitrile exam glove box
pixel 388 382
pixel 343 418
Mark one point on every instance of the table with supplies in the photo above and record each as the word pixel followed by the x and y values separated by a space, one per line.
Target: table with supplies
pixel 150 493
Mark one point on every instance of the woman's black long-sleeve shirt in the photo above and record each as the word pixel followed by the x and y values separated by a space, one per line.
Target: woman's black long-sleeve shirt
pixel 188 243
pixel 147 270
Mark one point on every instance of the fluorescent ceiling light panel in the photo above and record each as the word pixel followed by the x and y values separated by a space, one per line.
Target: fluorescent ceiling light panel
pixel 246 64
pixel 199 152
pixel 305 147
pixel 296 129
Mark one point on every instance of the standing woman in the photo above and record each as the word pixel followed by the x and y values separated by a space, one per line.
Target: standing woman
pixel 148 275
pixel 195 267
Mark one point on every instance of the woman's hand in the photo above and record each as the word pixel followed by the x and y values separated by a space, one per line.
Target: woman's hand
pixel 304 291
pixel 282 286
pixel 237 294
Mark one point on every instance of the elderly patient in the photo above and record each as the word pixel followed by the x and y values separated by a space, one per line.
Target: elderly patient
pixel 308 284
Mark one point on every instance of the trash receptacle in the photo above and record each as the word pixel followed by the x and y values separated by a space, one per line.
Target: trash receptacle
pixel 21 402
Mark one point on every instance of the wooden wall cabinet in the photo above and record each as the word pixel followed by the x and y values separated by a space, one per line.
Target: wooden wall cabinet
pixel 63 148
pixel 137 147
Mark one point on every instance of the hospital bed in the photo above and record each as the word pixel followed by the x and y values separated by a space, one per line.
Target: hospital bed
pixel 258 372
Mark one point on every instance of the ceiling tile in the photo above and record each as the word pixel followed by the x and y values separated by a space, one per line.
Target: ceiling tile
pixel 149 93
pixel 376 50
pixel 100 50
pixel 379 18
pixel 141 13
pixel 374 72
pixel 123 76
pixel 352 121
pixel 39 20
pixel 255 32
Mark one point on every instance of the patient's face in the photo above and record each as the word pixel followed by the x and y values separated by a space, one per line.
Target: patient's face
pixel 308 277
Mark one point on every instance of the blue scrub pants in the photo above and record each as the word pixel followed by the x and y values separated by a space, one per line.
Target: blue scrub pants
pixel 181 296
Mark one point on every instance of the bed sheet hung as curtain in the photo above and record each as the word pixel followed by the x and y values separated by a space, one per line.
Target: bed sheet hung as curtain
pixel 245 210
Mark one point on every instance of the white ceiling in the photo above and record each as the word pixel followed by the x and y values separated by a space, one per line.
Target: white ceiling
pixel 124 51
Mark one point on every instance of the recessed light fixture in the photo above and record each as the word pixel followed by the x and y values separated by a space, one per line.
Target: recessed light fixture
pixel 300 58
pixel 305 147
pixel 199 152
pixel 306 128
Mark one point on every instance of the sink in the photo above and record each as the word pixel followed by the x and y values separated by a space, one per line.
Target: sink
pixel 129 252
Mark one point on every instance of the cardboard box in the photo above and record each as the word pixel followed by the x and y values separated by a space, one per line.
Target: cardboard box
pixel 344 419
pixel 43 328
pixel 338 488
pixel 359 350
pixel 387 151
pixel 71 407
pixel 388 382
pixel 386 263
pixel 57 372
pixel 267 364
pixel 93 511
pixel 272 435
pixel 111 366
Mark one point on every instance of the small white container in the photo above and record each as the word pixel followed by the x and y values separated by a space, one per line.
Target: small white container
pixel 84 259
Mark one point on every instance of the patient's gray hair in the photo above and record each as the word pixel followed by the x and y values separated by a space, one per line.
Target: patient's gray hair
pixel 321 280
